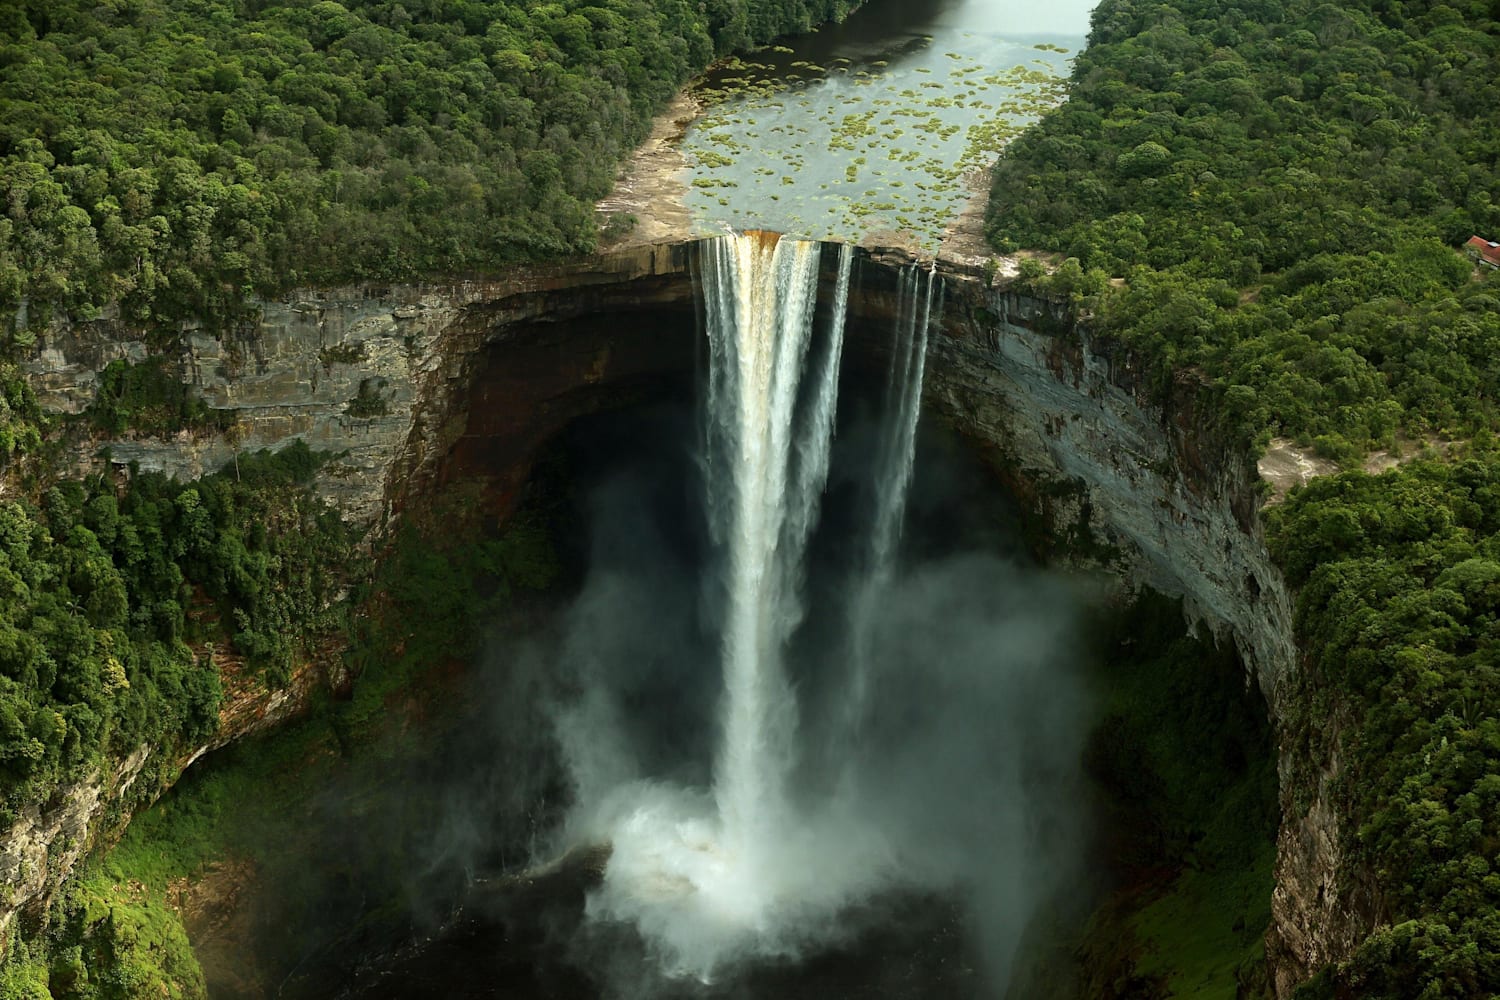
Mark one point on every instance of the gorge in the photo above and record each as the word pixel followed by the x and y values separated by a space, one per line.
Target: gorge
pixel 403 592
pixel 480 378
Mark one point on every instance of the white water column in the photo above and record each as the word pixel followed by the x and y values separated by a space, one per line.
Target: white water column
pixel 760 294
pixel 891 482
pixel 903 407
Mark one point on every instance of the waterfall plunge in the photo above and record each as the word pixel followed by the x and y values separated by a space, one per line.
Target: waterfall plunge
pixel 892 480
pixel 760 294
pixel 740 871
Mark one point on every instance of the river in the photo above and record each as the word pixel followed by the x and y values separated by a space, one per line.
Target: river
pixel 883 124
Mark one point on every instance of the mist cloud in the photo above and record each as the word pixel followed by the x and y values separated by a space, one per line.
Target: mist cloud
pixel 955 777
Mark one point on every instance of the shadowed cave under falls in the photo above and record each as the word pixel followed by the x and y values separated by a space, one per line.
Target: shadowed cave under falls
pixel 816 720
pixel 804 718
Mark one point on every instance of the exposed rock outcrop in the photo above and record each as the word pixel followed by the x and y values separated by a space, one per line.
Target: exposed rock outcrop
pixel 298 371
pixel 47 839
pixel 1323 906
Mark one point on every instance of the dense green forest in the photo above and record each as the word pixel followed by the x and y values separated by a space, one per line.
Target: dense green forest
pixel 1283 185
pixel 113 601
pixel 173 157
pixel 1399 620
pixel 1282 188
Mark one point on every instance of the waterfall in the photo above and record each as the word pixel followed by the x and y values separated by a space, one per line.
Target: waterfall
pixel 896 454
pixel 739 869
pixel 812 447
pixel 903 407
pixel 767 469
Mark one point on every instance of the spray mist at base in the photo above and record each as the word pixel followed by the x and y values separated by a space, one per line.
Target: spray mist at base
pixel 762 763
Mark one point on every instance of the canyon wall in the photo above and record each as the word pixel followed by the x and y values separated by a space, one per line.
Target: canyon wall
pixel 1135 479
pixel 358 372
pixel 417 387
pixel 294 374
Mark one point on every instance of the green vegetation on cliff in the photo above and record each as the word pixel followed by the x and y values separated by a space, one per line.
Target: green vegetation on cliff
pixel 1399 616
pixel 1283 187
pixel 103 588
pixel 19 431
pixel 149 398
pixel 261 811
pixel 174 156
pixel 279 815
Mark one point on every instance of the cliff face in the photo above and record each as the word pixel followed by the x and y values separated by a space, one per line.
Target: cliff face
pixel 415 350
pixel 464 382
pixel 359 372
pixel 1126 481
pixel 48 839
pixel 1144 486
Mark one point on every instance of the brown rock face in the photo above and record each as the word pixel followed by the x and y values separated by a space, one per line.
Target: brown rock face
pixel 535 378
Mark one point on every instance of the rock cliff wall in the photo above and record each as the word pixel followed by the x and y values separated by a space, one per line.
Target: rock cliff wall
pixel 1149 489
pixel 1138 481
pixel 292 374
pixel 298 371
pixel 469 379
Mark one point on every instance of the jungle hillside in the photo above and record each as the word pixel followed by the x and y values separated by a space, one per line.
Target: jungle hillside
pixel 1271 199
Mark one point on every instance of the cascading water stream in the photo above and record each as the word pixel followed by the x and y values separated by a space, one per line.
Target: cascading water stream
pixel 740 869
pixel 903 408
pixel 813 446
pixel 892 482
pixel 760 296
pixel 705 875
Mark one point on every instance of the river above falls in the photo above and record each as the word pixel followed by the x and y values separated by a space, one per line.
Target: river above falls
pixel 883 124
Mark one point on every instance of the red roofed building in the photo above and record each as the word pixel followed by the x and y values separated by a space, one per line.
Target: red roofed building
pixel 1484 251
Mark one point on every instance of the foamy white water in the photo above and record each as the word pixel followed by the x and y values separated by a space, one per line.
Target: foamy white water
pixel 902 411
pixel 813 445
pixel 709 876
pixel 763 317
